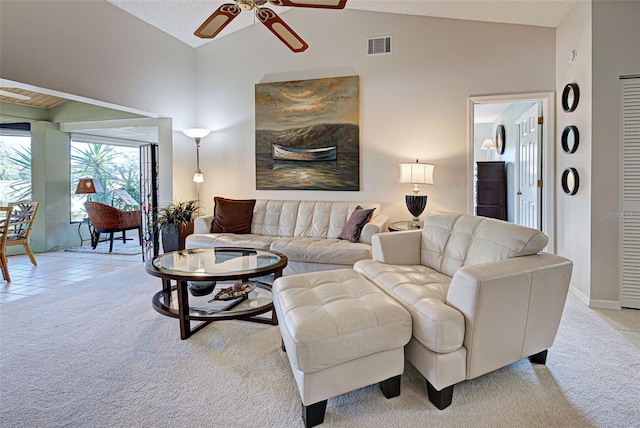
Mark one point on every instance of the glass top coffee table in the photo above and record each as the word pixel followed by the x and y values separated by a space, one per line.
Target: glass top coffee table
pixel 201 277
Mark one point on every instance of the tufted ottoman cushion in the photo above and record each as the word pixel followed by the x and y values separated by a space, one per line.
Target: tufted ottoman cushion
pixel 341 333
pixel 337 316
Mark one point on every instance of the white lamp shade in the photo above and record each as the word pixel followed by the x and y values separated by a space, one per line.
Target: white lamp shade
pixel 416 173
pixel 198 177
pixel 196 132
pixel 488 144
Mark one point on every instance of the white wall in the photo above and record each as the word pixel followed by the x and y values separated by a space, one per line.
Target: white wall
pixel 413 103
pixel 606 36
pixel 95 50
pixel 574 212
pixel 616 51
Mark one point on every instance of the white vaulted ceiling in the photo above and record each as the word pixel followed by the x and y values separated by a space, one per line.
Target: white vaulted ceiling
pixel 180 18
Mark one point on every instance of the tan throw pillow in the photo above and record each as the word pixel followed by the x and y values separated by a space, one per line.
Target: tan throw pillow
pixel 353 228
pixel 232 215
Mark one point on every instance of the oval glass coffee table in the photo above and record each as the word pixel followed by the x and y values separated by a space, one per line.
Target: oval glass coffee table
pixel 200 274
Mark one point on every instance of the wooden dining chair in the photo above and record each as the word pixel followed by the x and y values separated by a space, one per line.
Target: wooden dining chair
pixel 5 217
pixel 24 214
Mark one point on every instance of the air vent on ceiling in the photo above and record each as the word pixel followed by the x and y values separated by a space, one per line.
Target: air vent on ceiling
pixel 379 45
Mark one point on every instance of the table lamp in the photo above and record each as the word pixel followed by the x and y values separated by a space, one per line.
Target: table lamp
pixel 88 186
pixel 487 145
pixel 416 173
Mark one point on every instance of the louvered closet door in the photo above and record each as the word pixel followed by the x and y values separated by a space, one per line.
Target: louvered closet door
pixel 630 198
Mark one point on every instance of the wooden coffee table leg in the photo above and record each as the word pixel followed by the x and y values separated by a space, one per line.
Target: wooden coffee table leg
pixel 183 310
pixel 166 287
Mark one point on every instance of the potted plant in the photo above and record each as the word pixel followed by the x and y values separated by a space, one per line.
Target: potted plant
pixel 175 222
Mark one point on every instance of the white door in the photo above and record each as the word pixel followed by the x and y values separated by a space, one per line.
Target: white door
pixel 529 169
pixel 629 252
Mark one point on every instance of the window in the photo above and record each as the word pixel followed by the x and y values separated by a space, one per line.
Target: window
pixel 15 167
pixel 115 167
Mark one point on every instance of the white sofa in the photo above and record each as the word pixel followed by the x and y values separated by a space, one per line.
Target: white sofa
pixel 480 293
pixel 305 231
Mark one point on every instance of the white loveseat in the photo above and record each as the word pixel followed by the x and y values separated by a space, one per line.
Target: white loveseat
pixel 305 231
pixel 480 293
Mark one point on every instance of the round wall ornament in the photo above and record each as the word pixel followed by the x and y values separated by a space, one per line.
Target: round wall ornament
pixel 500 139
pixel 570 139
pixel 570 181
pixel 570 97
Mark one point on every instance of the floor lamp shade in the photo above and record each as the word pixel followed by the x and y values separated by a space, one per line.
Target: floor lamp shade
pixel 416 173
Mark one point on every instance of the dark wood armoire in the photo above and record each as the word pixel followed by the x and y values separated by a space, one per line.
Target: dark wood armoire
pixel 491 190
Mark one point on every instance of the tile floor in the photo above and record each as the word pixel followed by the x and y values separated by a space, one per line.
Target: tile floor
pixel 57 269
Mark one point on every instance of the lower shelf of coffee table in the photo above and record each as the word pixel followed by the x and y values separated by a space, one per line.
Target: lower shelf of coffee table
pixel 201 308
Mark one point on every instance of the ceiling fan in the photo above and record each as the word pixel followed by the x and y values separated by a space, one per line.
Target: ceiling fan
pixel 227 12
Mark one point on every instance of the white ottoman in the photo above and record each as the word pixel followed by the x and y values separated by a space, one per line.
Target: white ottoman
pixel 340 333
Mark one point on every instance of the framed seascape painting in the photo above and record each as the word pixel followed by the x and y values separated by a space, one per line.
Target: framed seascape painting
pixel 308 135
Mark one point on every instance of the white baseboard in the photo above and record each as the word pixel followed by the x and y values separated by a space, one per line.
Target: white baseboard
pixel 605 304
pixel 579 294
pixel 594 303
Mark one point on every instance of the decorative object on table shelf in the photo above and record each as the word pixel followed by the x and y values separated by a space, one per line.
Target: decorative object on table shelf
pixel 500 139
pixel 88 186
pixel 175 222
pixel 416 173
pixel 570 181
pixel 570 139
pixel 570 97
pixel 201 288
pixel 488 145
pixel 227 12
pixel 236 291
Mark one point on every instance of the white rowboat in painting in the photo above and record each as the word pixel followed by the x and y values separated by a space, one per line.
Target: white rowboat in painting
pixel 291 154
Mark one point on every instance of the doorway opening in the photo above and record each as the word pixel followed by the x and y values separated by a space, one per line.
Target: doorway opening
pixel 525 145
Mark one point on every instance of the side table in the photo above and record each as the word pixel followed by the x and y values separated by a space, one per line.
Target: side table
pixel 404 225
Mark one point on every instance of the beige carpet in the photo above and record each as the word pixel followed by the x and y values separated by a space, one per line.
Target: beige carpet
pixel 95 354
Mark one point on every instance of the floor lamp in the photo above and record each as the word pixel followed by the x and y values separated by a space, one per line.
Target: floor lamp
pixel 198 176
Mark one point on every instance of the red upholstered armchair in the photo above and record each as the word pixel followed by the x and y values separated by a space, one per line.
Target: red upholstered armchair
pixel 107 219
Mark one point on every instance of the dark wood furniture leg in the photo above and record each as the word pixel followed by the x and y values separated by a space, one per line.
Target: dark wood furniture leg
pixel 539 358
pixel 441 399
pixel 314 414
pixel 391 387
pixel 183 310
pixel 166 287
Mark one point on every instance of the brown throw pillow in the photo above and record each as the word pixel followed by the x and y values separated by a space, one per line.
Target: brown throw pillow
pixel 353 228
pixel 232 215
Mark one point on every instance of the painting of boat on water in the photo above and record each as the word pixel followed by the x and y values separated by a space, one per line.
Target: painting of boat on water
pixel 314 155
pixel 308 135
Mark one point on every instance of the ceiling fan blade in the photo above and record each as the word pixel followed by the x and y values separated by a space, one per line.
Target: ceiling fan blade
pixel 324 4
pixel 281 30
pixel 217 21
